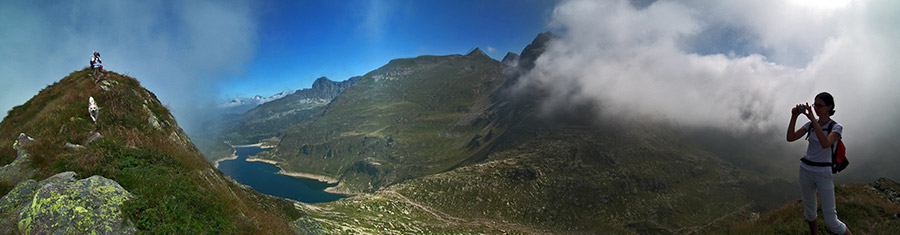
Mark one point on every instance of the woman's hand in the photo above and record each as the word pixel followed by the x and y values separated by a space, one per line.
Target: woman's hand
pixel 797 110
pixel 809 112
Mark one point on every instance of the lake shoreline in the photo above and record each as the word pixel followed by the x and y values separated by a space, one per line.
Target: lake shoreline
pixel 234 152
pixel 286 185
pixel 281 171
pixel 260 145
pixel 232 157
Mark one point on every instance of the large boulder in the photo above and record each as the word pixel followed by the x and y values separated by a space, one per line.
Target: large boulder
pixel 61 204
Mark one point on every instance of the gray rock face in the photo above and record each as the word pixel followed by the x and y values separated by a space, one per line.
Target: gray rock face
pixel 477 52
pixel 888 188
pixel 60 204
pixel 535 49
pixel 323 88
pixel 94 137
pixel 18 170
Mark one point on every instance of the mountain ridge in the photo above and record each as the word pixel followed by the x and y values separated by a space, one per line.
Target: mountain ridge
pixel 135 142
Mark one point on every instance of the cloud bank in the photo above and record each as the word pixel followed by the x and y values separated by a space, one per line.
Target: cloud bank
pixel 177 50
pixel 733 65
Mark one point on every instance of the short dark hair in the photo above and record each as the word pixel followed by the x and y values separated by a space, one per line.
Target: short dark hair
pixel 829 101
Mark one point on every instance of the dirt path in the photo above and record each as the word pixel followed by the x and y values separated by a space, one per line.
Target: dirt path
pixel 695 229
pixel 476 222
pixel 451 220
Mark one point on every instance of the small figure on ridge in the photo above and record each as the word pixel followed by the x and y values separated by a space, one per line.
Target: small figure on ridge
pixel 97 66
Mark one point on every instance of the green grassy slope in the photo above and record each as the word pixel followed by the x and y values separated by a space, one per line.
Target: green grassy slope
pixel 144 150
pixel 566 179
pixel 866 209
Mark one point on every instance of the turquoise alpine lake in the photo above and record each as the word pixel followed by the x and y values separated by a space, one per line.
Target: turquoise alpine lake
pixel 263 177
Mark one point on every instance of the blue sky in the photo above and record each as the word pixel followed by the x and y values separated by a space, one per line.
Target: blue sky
pixel 301 41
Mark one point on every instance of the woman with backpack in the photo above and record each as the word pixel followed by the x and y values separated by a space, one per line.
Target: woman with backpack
pixel 96 65
pixel 815 169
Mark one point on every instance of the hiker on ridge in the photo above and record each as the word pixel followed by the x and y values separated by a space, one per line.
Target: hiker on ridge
pixel 815 171
pixel 96 65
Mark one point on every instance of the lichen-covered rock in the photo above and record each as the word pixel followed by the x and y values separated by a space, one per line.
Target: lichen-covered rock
pixel 178 136
pixel 14 202
pixel 61 204
pixel 105 85
pixel 152 119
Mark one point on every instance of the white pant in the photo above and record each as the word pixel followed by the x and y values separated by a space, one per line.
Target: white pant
pixel 809 182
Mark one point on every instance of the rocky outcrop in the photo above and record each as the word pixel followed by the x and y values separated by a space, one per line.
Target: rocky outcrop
pixel 60 204
pixel 323 88
pixel 18 170
pixel 888 188
pixel 94 137
pixel 535 49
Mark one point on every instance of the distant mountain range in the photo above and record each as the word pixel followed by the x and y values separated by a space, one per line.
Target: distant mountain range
pixel 244 104
pixel 321 88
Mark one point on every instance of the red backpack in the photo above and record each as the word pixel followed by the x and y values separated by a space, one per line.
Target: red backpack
pixel 838 152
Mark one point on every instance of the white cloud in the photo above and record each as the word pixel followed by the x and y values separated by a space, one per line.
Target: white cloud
pixel 375 19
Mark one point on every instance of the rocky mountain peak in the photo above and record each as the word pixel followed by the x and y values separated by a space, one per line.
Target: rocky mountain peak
pixel 477 52
pixel 535 49
pixel 322 82
pixel 511 59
